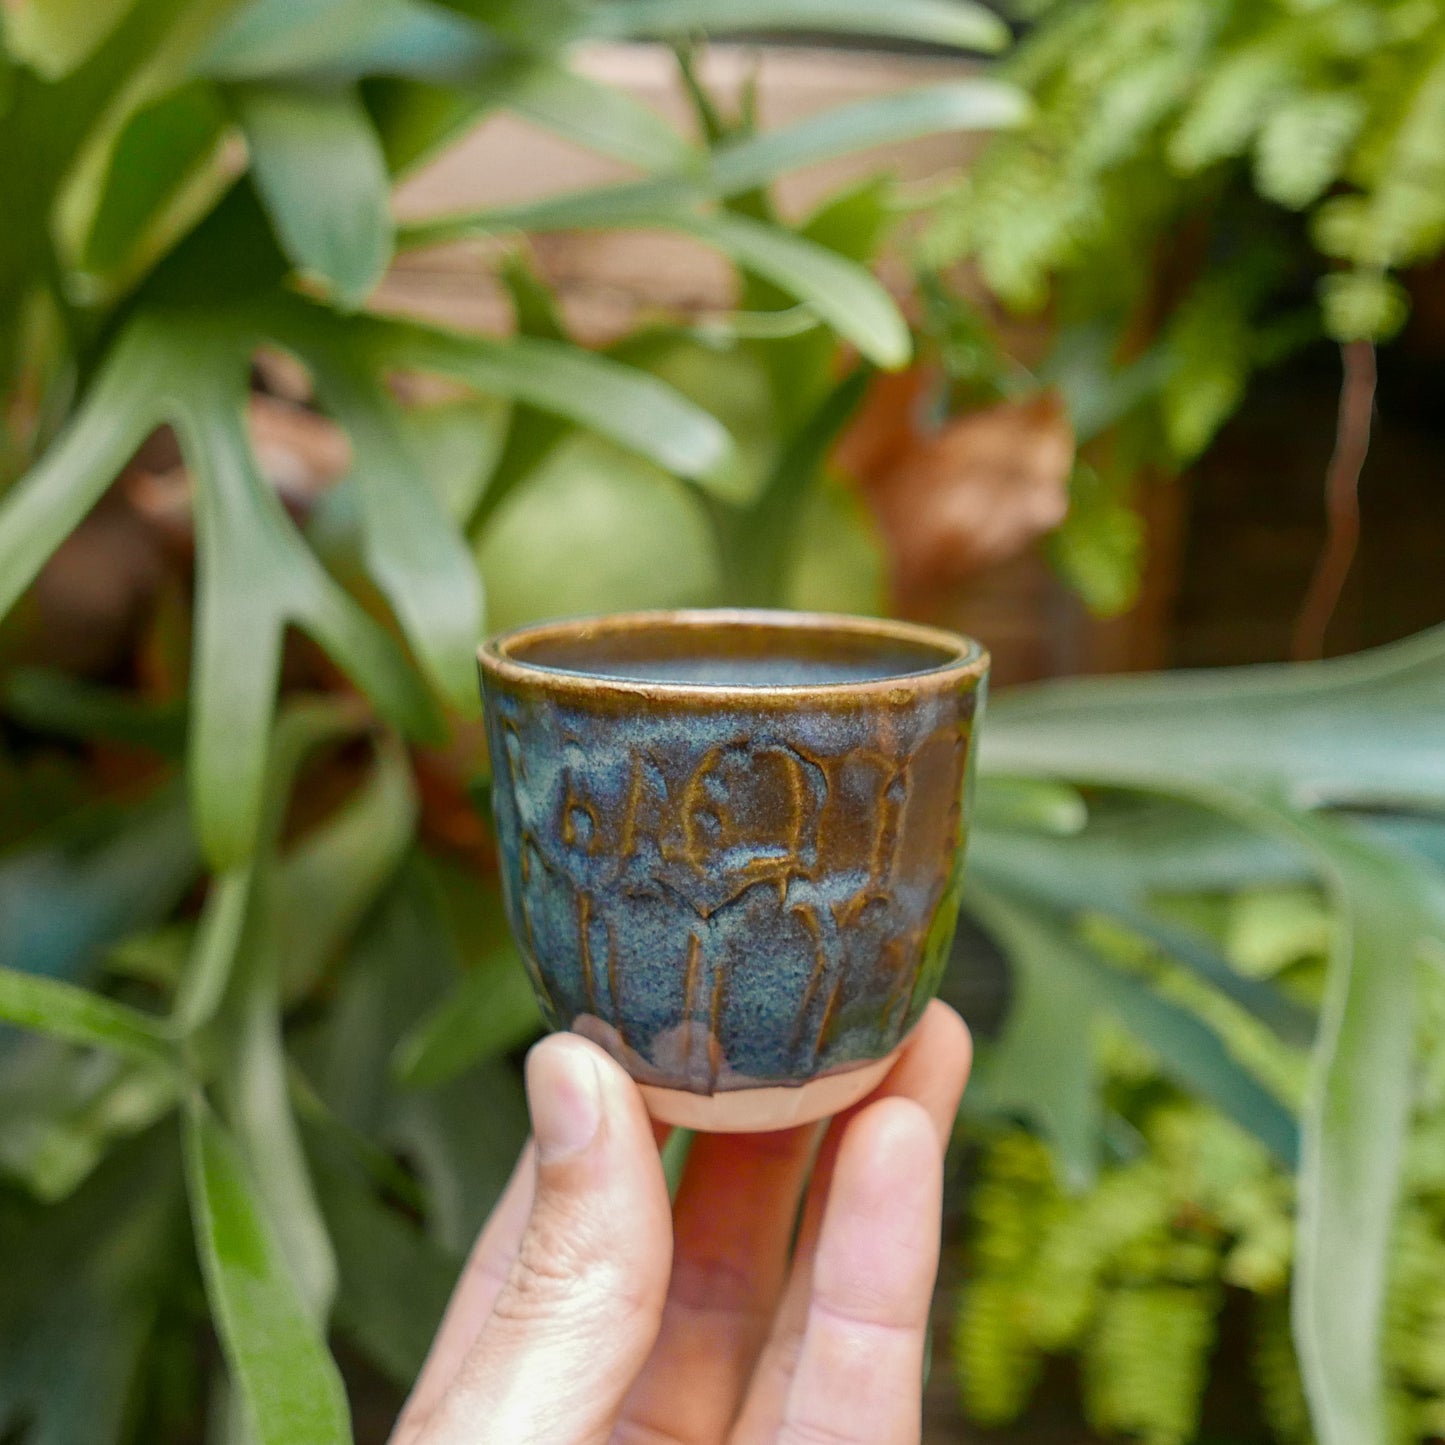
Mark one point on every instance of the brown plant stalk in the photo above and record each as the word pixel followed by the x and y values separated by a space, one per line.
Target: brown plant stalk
pixel 1342 501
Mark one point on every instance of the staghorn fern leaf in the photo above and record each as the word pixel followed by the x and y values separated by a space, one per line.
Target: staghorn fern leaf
pixel 256 577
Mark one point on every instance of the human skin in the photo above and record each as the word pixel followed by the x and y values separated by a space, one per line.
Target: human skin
pixel 594 1310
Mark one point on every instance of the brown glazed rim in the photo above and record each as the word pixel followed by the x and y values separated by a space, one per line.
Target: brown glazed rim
pixel 965 661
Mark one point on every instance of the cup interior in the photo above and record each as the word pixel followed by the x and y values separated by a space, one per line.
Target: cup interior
pixel 736 650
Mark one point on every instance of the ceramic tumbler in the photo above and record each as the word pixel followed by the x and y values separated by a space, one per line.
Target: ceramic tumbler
pixel 732 844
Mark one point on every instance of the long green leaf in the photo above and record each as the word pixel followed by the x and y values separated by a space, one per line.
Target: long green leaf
pixel 1420 834
pixel 1095 872
pixel 492 1010
pixel 1189 1051
pixel 344 40
pixel 415 552
pixel 162 170
pixel 213 950
pixel 44 507
pixel 63 1011
pixel 845 295
pixel 972 104
pixel 1041 1067
pixel 91 881
pixel 1355 1119
pixel 254 1073
pixel 57 702
pixel 318 166
pixel 304 724
pixel 327 882
pixel 853 223
pixel 605 396
pixel 1195 1056
pixel 838 290
pixel 395 1280
pixel 460 441
pixel 57 36
pixel 256 575
pixel 1165 846
pixel 259 1105
pixel 959 23
pixel 292 1389
pixel 601 117
pixel 763 539
pixel 628 205
pixel 745 164
pixel 1029 805
pixel 235 669
pixel 367 652
pixel 1355 730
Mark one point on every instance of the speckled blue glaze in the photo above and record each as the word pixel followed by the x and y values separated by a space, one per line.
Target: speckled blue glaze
pixel 731 887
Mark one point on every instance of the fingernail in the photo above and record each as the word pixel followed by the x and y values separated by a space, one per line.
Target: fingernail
pixel 564 1097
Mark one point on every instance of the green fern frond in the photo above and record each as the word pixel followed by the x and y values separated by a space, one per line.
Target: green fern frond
pixel 1146 1362
pixel 1209 344
pixel 995 1360
pixel 1147 111
pixel 1415 1317
pixel 1099 547
pixel 1133 107
pixel 1128 1275
pixel 1128 1210
pixel 1023 225
pixel 1304 144
pixel 1363 305
pixel 1401 164
pixel 996 1354
pixel 1235 100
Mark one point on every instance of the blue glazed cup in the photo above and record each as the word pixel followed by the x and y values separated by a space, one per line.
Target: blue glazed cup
pixel 732 844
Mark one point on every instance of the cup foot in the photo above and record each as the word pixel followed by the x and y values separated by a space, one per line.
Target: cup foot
pixel 754 1111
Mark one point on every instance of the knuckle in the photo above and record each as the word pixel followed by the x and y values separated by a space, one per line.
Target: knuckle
pixel 536 1285
pixel 879 1314
pixel 564 1269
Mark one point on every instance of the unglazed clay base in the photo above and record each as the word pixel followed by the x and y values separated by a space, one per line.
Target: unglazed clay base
pixel 754 1111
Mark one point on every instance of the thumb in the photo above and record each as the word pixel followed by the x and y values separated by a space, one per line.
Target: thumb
pixel 580 1308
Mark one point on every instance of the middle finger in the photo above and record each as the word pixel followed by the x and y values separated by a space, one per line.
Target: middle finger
pixel 733 1222
pixel 932 1070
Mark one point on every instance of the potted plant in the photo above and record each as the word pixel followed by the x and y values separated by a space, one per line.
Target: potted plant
pixel 250 919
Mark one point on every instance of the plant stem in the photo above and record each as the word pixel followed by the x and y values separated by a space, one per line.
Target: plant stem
pixel 1342 500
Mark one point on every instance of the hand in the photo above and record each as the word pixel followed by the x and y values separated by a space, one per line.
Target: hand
pixel 593 1310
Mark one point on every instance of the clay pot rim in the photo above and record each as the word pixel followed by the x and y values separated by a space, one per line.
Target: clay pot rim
pixel 962 660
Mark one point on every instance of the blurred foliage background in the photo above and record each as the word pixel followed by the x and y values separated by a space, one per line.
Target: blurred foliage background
pixel 258 1084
